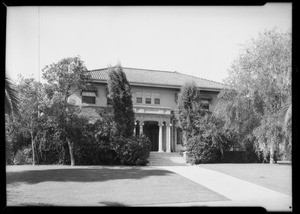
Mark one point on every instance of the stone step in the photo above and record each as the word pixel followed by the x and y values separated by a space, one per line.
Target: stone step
pixel 166 159
pixel 165 154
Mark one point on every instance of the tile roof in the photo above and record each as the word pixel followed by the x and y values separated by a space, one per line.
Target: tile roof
pixel 156 77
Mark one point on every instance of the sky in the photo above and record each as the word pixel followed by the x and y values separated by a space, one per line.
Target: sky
pixel 201 41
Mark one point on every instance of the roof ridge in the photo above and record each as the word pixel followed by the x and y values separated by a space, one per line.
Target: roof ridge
pixel 151 70
pixel 175 72
pixel 135 69
pixel 202 78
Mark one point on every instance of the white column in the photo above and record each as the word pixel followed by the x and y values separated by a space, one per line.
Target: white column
pixel 141 127
pixel 134 127
pixel 160 124
pixel 168 139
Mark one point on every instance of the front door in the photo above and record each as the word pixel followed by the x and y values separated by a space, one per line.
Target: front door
pixel 150 130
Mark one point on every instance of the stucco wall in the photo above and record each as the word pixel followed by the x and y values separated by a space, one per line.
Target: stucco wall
pixel 100 99
pixel 214 100
pixel 167 96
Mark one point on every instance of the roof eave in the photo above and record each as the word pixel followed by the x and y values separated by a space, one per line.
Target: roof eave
pixel 160 85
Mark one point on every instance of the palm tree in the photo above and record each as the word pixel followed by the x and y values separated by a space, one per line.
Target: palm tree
pixel 11 98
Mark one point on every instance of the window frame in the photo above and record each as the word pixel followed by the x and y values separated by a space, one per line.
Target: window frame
pixel 156 97
pixel 147 99
pixel 139 95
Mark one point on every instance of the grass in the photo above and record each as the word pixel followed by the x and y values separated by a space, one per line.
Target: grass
pixel 100 186
pixel 276 177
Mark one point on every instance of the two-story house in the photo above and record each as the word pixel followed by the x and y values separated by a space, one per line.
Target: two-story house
pixel 154 97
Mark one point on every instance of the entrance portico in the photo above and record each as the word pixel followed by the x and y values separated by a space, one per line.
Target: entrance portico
pixel 155 123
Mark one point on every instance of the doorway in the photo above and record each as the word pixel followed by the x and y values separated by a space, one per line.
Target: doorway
pixel 151 130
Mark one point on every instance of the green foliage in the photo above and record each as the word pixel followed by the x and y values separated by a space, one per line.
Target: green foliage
pixel 133 150
pixel 188 105
pixel 120 94
pixel 66 76
pixel 95 145
pixel 268 136
pixel 23 156
pixel 11 98
pixel 63 79
pixel 261 79
pixel 209 140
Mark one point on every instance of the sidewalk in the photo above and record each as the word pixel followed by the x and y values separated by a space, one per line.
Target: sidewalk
pixel 242 193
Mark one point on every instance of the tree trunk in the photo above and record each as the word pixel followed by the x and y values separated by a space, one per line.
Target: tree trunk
pixel 33 148
pixel 272 154
pixel 70 144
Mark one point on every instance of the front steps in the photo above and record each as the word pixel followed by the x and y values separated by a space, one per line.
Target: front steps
pixel 166 159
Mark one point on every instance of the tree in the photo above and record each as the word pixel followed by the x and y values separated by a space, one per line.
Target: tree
pixel 189 109
pixel 65 78
pixel 120 93
pixel 30 95
pixel 11 98
pixel 261 77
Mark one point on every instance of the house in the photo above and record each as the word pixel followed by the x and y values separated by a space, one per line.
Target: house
pixel 154 97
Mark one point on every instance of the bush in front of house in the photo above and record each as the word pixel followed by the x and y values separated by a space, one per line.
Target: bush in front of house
pixel 94 145
pixel 209 140
pixel 203 150
pixel 133 150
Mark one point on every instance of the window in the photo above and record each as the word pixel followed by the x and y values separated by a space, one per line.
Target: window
pixel 156 98
pixel 148 98
pixel 139 97
pixel 88 97
pixel 204 104
pixel 88 100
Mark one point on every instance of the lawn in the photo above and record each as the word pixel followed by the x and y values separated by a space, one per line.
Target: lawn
pixel 276 177
pixel 101 186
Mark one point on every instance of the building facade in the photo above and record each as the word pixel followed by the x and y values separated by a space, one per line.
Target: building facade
pixel 154 97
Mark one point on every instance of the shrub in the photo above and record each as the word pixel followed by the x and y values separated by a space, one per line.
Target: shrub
pixel 209 140
pixel 133 150
pixel 250 153
pixel 203 150
pixel 23 156
pixel 94 144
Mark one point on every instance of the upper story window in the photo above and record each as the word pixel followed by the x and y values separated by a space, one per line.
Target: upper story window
pixel 139 97
pixel 148 98
pixel 156 99
pixel 88 97
pixel 204 104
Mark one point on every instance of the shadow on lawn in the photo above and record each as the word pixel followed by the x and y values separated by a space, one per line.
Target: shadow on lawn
pixel 81 175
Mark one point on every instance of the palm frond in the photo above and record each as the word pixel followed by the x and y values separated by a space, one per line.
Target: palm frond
pixel 11 98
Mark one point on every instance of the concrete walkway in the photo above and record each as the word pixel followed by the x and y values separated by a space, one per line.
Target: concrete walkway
pixel 242 193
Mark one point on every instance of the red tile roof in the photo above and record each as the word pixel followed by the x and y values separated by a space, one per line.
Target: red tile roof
pixel 157 78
